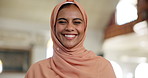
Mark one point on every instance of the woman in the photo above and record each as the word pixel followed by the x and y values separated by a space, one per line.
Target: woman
pixel 70 58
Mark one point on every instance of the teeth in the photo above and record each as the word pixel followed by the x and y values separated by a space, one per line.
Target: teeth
pixel 69 35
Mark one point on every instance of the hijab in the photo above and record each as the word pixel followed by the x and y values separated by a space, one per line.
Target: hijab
pixel 77 61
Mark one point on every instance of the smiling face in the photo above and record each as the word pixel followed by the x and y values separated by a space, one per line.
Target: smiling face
pixel 69 27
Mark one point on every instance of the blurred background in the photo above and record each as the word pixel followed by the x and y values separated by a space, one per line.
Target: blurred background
pixel 117 30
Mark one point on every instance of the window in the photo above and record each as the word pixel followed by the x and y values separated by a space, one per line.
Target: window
pixel 14 60
pixel 126 11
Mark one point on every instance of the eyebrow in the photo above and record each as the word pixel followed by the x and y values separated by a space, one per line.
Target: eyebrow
pixel 78 19
pixel 62 19
pixel 66 19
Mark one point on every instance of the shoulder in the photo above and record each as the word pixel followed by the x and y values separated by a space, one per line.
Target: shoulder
pixel 103 60
pixel 43 64
pixel 106 68
pixel 45 61
pixel 40 69
pixel 104 63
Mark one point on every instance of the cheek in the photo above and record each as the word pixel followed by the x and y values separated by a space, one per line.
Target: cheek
pixel 81 29
pixel 58 28
pixel 57 31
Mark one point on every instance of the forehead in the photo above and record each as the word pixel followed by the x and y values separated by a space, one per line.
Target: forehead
pixel 69 10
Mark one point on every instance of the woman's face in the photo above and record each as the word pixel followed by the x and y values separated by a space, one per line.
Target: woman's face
pixel 69 26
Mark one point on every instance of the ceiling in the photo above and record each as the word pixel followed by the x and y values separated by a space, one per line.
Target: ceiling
pixel 35 14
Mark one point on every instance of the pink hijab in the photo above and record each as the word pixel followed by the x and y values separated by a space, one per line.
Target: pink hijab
pixel 71 63
pixel 76 62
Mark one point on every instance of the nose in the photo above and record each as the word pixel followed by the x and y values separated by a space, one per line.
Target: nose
pixel 69 27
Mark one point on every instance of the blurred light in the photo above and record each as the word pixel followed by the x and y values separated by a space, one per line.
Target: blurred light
pixel 117 69
pixel 1 66
pixel 141 70
pixel 141 27
pixel 126 11
pixel 144 44
pixel 49 52
pixel 130 75
pixel 132 59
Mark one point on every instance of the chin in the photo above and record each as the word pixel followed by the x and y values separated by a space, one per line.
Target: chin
pixel 69 46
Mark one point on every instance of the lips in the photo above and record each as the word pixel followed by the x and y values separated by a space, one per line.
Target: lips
pixel 69 36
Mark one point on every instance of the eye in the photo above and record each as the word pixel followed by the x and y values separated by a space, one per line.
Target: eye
pixel 77 22
pixel 62 22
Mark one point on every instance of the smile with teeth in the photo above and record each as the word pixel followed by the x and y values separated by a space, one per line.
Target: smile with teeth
pixel 70 36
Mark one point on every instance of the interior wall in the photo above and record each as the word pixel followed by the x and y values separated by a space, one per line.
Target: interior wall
pixel 17 39
pixel 12 75
pixel 94 40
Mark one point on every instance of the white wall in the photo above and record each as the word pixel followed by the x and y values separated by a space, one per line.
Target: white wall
pixel 94 39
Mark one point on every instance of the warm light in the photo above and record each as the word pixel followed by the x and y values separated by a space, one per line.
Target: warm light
pixel 117 69
pixel 49 52
pixel 141 27
pixel 126 11
pixel 141 70
pixel 1 66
